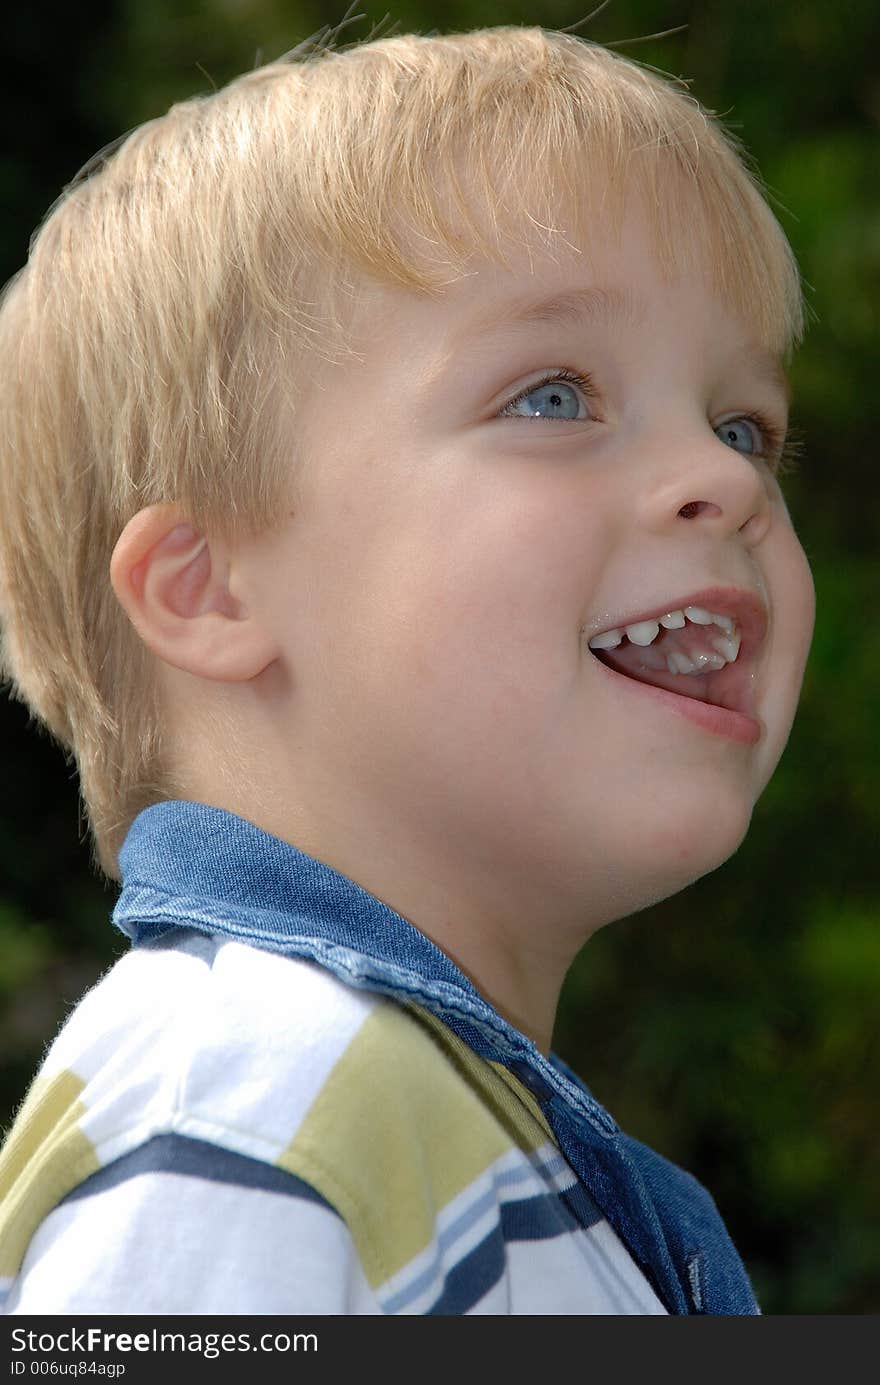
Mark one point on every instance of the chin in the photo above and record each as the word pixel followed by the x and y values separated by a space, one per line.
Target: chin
pixel 691 845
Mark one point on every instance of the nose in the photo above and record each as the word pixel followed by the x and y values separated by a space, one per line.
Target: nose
pixel 710 485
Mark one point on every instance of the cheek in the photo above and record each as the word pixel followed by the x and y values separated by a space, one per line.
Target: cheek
pixel 485 616
pixel 808 604
pixel 794 609
pixel 797 609
pixel 490 680
pixel 794 591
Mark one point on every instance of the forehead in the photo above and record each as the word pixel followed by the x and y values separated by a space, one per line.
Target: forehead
pixel 602 269
pixel 516 315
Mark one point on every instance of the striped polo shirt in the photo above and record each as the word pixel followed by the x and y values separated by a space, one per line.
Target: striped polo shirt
pixel 287 1099
pixel 222 1129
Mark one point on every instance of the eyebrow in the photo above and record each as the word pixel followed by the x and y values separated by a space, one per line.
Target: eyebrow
pixel 604 307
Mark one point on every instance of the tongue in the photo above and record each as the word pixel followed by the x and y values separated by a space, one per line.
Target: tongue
pixel 635 661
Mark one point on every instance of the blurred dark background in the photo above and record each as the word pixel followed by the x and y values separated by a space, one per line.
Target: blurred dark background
pixel 733 1027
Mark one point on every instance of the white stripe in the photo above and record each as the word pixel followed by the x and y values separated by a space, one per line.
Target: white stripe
pixel 635 1288
pixel 187 1245
pixel 557 1277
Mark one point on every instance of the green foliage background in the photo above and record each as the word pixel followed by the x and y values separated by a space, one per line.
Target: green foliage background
pixel 733 1027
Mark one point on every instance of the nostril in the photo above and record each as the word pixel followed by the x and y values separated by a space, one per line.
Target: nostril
pixel 698 507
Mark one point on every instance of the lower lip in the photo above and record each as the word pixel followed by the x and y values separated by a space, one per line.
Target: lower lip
pixel 734 726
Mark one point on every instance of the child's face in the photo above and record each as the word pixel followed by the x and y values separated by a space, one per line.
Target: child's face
pixel 449 738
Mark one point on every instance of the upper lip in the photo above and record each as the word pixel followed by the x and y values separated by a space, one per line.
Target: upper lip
pixel 732 686
pixel 746 607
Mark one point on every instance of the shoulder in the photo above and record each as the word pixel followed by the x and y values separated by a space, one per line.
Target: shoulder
pixel 267 1056
pixel 206 1040
pixel 210 1038
pixel 181 1076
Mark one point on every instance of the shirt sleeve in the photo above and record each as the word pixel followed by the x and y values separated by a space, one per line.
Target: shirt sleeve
pixel 182 1226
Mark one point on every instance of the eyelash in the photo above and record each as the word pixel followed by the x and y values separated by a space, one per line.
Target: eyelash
pixel 781 451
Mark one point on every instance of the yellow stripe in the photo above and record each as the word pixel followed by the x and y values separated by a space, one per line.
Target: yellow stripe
pixel 407 1119
pixel 508 1099
pixel 44 1156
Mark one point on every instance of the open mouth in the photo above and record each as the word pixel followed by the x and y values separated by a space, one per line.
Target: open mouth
pixel 681 660
pixel 701 655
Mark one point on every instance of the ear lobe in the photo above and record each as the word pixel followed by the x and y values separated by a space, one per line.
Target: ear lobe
pixel 173 585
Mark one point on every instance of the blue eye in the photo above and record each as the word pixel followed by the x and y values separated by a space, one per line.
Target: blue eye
pixel 727 432
pixel 552 397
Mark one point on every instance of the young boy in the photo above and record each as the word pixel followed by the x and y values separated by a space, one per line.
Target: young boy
pixel 390 526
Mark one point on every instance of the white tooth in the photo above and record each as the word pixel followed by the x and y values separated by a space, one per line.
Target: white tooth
pixel 698 615
pixel 679 663
pixel 728 646
pixel 706 662
pixel 610 639
pixel 673 620
pixel 643 632
pixel 726 622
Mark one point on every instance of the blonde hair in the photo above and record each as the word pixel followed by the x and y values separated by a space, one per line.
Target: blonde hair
pixel 154 347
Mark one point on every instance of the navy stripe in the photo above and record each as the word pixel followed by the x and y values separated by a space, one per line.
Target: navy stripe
pixel 549 1214
pixel 535 1219
pixel 582 1207
pixel 472 1277
pixel 196 1159
pixel 529 1219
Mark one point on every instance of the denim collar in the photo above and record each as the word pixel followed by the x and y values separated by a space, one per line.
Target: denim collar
pixel 190 865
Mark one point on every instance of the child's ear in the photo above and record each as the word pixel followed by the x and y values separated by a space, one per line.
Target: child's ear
pixel 173 585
